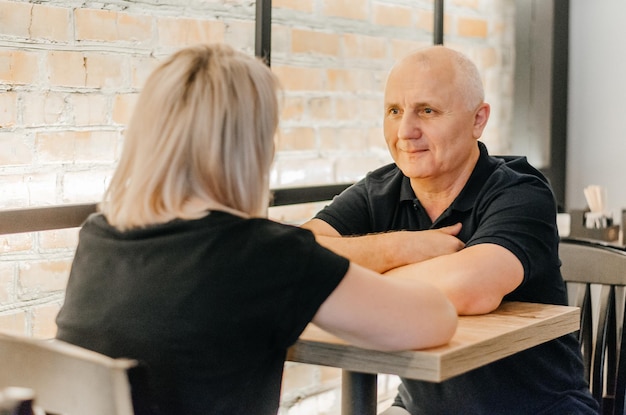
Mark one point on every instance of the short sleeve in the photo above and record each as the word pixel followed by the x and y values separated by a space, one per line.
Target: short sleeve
pixel 299 275
pixel 520 216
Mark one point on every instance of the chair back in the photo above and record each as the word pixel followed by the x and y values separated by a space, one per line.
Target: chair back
pixel 66 379
pixel 595 274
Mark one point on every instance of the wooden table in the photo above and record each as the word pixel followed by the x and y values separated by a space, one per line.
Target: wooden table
pixel 479 340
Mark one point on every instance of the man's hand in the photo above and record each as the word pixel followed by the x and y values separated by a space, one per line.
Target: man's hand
pixel 384 251
pixel 431 243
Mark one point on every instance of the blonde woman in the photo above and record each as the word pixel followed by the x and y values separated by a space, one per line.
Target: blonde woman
pixel 182 270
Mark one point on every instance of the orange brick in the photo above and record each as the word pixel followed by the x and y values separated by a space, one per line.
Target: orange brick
pixel 401 48
pixel 365 109
pixel 240 35
pixel 300 5
pixel 365 47
pixel 7 282
pixel 15 150
pixel 295 78
pixel 349 9
pixel 15 18
pixel 95 24
pixel 18 67
pixel 98 146
pixel 181 32
pixel 343 139
pixel 309 41
pixel 86 146
pixel 281 39
pixel 321 108
pixel 8 104
pixel 56 147
pixel 104 70
pixel 376 141
pixel 488 58
pixel 66 68
pixel 43 320
pixel 447 24
pixel 112 26
pixel 474 4
pixel 377 81
pixel 16 242
pixel 292 108
pixel 59 239
pixel 134 28
pixel 499 28
pixel 51 23
pixel 425 20
pixel 299 138
pixel 472 27
pixel 351 80
pixel 141 68
pixel 39 277
pixel 123 105
pixel 397 16
pixel 89 109
pixel 14 322
pixel 44 108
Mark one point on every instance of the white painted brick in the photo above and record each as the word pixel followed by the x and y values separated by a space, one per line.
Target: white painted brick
pixel 27 190
pixel 40 108
pixel 15 150
pixel 85 186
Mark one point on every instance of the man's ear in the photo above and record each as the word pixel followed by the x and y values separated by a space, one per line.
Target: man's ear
pixel 481 116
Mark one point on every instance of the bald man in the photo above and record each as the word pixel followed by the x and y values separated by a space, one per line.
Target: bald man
pixel 480 228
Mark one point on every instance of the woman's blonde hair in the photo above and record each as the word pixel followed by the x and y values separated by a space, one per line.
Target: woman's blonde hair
pixel 202 130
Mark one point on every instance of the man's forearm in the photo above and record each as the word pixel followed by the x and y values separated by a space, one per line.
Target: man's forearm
pixel 384 251
pixel 475 279
pixel 370 251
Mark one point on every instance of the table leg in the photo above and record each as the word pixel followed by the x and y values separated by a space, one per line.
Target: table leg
pixel 358 393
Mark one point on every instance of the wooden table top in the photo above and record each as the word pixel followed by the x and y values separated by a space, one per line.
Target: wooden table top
pixel 479 340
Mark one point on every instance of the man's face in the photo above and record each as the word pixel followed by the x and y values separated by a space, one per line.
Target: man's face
pixel 429 130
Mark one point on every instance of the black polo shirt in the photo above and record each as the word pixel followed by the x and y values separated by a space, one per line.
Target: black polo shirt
pixel 507 202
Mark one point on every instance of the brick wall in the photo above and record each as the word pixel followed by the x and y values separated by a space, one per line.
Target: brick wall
pixel 70 73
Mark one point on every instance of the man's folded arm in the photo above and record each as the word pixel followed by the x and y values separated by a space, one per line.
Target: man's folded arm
pixel 475 279
pixel 382 252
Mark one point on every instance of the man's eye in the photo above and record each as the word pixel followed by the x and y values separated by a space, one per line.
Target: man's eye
pixel 428 110
pixel 394 111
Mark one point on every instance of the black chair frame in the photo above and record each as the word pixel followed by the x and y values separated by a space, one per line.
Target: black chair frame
pixel 592 267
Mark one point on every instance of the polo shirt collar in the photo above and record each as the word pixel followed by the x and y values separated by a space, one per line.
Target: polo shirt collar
pixel 406 191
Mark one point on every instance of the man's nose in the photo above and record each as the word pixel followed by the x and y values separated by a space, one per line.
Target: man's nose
pixel 409 126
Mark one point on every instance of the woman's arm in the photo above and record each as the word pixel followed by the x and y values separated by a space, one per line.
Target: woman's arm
pixel 376 312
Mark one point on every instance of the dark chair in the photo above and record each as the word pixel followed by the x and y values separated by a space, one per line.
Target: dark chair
pixel 595 274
